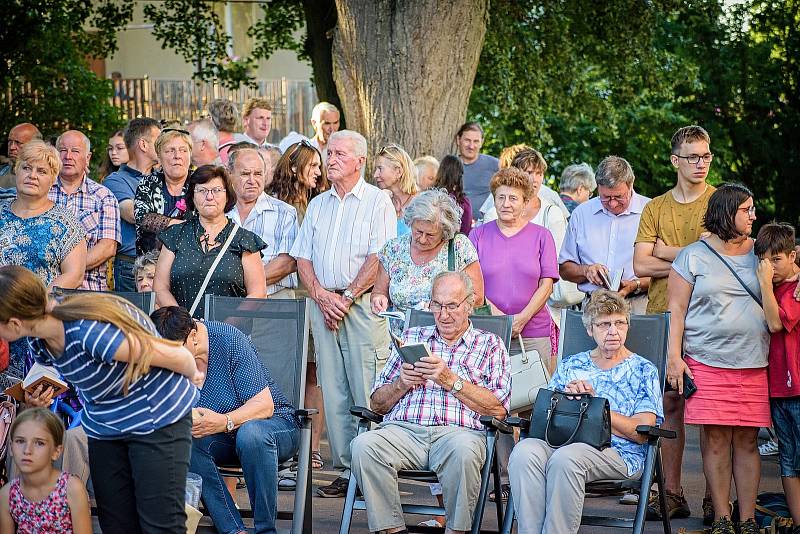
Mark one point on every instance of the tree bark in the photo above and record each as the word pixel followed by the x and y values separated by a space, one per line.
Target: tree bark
pixel 320 23
pixel 404 69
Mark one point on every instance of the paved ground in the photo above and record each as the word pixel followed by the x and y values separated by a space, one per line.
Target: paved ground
pixel 327 513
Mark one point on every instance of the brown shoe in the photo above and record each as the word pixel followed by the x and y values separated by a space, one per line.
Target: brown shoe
pixel 337 488
pixel 676 506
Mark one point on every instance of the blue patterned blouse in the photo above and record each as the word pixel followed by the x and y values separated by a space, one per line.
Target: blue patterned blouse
pixel 631 387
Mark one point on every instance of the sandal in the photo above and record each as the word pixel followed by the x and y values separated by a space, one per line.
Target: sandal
pixel 316 460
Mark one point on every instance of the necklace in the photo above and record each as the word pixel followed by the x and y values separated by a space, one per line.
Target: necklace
pixel 399 209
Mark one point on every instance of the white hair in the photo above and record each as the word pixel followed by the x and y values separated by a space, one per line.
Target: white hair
pixel 319 109
pixel 435 206
pixel 358 141
pixel 575 176
pixel 204 130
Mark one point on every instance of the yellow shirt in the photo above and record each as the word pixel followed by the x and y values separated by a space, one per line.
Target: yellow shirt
pixel 677 225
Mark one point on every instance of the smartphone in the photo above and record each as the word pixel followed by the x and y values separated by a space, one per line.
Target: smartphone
pixel 689 387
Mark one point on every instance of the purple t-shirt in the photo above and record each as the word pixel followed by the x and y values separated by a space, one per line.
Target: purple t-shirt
pixel 512 267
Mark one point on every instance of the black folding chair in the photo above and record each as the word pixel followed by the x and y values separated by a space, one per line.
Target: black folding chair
pixel 648 336
pixel 498 324
pixel 279 330
pixel 144 301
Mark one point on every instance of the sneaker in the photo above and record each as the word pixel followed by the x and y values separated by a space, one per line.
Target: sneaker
pixel 629 497
pixel 337 488
pixel 768 448
pixel 708 512
pixel 748 527
pixel 724 526
pixel 676 506
pixel 505 491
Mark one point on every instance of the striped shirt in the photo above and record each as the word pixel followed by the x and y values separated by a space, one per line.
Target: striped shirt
pixel 97 210
pixel 479 357
pixel 338 234
pixel 275 222
pixel 155 400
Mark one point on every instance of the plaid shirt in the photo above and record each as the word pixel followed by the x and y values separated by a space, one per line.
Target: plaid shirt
pixel 98 211
pixel 478 357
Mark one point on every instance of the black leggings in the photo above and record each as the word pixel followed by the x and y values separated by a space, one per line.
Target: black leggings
pixel 140 481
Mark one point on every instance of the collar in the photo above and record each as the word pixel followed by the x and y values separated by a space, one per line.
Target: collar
pixel 358 190
pixel 636 205
pixel 251 140
pixel 83 188
pixel 263 203
pixel 130 170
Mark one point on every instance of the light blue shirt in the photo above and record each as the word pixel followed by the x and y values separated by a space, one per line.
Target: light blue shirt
pixel 595 235
pixel 632 386
pixel 275 222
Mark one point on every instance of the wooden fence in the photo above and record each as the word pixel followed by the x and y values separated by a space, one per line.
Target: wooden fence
pixel 186 100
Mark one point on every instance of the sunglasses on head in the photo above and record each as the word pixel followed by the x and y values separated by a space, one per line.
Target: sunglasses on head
pixel 302 142
pixel 184 132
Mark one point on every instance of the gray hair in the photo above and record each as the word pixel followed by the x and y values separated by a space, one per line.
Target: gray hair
pixel 426 161
pixel 614 170
pixel 86 142
pixel 604 302
pixel 575 176
pixel 319 109
pixel 224 113
pixel 358 141
pixel 204 130
pixel 461 275
pixel 435 206
pixel 234 156
pixel 145 260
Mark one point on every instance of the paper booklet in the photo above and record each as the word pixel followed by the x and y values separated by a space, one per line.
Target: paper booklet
pixel 410 352
pixel 613 280
pixel 39 374
pixel 400 316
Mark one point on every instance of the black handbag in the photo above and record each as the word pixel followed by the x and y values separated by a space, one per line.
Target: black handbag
pixel 561 418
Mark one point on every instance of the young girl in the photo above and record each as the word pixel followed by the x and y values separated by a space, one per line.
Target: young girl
pixel 42 499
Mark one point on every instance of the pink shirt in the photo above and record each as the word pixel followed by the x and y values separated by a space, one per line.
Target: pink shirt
pixel 512 268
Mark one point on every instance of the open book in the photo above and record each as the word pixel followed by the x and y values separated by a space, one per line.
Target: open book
pixel 410 352
pixel 613 280
pixel 39 374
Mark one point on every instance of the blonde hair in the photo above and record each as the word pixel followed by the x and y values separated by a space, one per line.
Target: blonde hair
pixel 508 154
pixel 25 298
pixel 39 151
pixel 399 157
pixel 255 103
pixel 168 135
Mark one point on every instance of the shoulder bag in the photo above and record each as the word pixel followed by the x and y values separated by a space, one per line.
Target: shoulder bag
pixel 483 309
pixel 560 418
pixel 738 278
pixel 528 376
pixel 213 268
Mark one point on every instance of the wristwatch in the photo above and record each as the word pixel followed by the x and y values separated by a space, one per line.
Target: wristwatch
pixel 229 423
pixel 349 295
pixel 638 286
pixel 457 385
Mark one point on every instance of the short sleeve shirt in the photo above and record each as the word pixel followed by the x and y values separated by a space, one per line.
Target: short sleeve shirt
pixel 235 375
pixel 784 346
pixel 192 262
pixel 677 225
pixel 724 327
pixel 631 387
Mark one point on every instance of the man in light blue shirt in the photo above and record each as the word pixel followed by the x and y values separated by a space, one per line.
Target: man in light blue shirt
pixel 598 247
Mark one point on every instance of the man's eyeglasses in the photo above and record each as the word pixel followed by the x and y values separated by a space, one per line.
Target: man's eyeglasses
pixel 694 159
pixel 605 326
pixel 437 307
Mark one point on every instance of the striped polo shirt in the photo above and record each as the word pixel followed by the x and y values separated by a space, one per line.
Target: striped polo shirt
pixel 157 399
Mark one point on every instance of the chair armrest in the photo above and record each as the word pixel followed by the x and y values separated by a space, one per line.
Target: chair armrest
pixel 495 424
pixel 366 413
pixel 655 432
pixel 520 422
pixel 306 413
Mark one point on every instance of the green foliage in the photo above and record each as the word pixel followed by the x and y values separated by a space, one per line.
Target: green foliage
pixel 44 73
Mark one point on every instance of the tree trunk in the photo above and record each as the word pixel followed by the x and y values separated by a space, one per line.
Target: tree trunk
pixel 320 23
pixel 404 69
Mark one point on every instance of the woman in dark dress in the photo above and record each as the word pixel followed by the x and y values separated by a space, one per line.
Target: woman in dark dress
pixel 450 177
pixel 190 248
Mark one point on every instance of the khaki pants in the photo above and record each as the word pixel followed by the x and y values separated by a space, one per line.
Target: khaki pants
pixel 549 484
pixel 348 362
pixel 456 454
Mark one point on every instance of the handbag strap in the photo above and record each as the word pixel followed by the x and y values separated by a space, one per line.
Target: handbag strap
pixel 728 265
pixel 213 268
pixel 451 255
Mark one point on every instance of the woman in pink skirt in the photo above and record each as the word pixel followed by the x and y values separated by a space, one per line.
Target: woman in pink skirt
pixel 714 298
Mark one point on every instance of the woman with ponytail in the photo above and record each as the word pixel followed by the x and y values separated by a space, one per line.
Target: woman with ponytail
pixel 137 391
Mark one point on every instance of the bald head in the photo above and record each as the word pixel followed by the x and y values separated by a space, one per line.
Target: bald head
pixel 18 136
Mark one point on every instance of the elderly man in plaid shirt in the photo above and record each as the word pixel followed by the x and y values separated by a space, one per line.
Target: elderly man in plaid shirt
pixel 94 205
pixel 432 411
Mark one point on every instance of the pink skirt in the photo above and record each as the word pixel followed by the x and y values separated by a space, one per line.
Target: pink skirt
pixel 728 397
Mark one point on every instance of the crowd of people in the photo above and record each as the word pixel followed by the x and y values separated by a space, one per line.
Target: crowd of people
pixel 186 211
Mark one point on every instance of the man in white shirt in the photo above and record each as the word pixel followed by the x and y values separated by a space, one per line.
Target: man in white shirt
pixel 257 122
pixel 336 252
pixel 204 143
pixel 325 120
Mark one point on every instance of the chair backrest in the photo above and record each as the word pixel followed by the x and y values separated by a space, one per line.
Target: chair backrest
pixel 144 301
pixel 496 324
pixel 279 331
pixel 648 336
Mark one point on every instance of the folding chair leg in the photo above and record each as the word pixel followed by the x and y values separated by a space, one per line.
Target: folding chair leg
pixel 349 500
pixel 301 521
pixel 477 518
pixel 662 498
pixel 508 520
pixel 646 481
pixel 498 490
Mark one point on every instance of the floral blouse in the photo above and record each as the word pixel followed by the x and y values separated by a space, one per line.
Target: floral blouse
pixel 153 207
pixel 409 283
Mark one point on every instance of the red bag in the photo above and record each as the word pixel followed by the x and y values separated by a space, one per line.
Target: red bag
pixel 3 355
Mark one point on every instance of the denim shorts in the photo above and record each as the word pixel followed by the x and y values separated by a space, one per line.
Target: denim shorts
pixel 786 420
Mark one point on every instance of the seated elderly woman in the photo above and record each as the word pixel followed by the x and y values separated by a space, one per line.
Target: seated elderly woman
pixel 548 484
pixel 241 416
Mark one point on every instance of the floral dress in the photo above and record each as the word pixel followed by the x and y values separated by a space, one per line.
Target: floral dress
pixel 48 516
pixel 409 283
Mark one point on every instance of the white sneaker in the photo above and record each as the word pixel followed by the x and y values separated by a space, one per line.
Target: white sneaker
pixel 768 448
pixel 629 498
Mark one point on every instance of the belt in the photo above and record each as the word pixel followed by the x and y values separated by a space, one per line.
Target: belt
pixel 125 257
pixel 337 291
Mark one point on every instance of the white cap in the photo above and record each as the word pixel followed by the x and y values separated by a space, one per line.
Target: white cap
pixel 291 139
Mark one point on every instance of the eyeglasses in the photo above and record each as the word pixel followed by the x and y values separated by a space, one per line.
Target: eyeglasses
pixel 437 307
pixel 694 159
pixel 605 326
pixel 202 191
pixel 750 211
pixel 302 142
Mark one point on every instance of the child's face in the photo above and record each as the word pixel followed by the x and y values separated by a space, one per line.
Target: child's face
pixel 144 278
pixel 782 265
pixel 33 448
